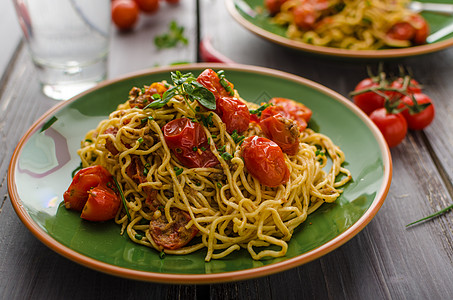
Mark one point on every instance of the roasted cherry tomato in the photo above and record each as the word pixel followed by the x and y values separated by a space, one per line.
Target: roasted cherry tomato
pixel 102 204
pixel 293 110
pixel 210 80
pixel 125 14
pixel 416 30
pixel 76 195
pixel 281 130
pixel 392 126
pixel 420 115
pixel 148 6
pixel 273 6
pixel 189 143
pixel 265 160
pixel 172 235
pixel 368 101
pixel 156 88
pixel 234 113
pixel 308 12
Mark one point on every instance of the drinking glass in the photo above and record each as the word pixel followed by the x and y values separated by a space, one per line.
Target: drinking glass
pixel 68 41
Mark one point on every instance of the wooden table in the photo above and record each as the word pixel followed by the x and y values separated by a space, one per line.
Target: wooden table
pixel 384 261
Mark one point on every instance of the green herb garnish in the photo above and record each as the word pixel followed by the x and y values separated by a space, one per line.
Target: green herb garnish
pixel 226 156
pixel 236 137
pixel 140 140
pixel 436 214
pixel 138 236
pixel 260 109
pixel 178 171
pixel 219 185
pixel 162 255
pixel 224 82
pixel 49 123
pixel 189 88
pixel 171 39
pixel 122 198
pixel 146 169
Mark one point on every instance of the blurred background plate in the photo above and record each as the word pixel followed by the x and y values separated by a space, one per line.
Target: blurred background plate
pixel 41 166
pixel 244 12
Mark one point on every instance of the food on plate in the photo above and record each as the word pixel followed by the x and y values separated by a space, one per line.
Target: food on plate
pixel 394 105
pixel 195 169
pixel 350 24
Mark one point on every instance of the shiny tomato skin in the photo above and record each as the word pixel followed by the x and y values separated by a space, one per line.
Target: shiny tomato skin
pixel 102 204
pixel 392 126
pixel 422 119
pixel 125 14
pixel 284 132
pixel 186 140
pixel 293 110
pixel 76 195
pixel 412 88
pixel 401 31
pixel 156 88
pixel 210 80
pixel 148 6
pixel 422 29
pixel 265 160
pixel 305 16
pixel 368 101
pixel 234 113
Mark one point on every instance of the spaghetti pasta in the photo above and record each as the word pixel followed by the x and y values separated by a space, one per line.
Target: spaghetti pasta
pixel 223 204
pixel 350 24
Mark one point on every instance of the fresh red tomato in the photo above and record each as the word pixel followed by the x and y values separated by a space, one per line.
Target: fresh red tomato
pixel 392 126
pixel 174 235
pixel 210 80
pixel 412 87
pixel 234 113
pixel 264 159
pixel 368 101
pixel 189 143
pixel 293 110
pixel 148 6
pixel 125 14
pixel 102 204
pixel 281 130
pixel 76 195
pixel 420 115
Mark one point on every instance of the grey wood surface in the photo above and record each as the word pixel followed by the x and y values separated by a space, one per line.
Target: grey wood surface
pixel 384 261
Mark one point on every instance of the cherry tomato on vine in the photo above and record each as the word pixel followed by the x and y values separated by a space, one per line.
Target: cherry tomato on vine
pixel 234 113
pixel 102 204
pixel 189 143
pixel 283 131
pixel 125 14
pixel 265 161
pixel 412 87
pixel 392 126
pixel 148 6
pixel 368 101
pixel 422 114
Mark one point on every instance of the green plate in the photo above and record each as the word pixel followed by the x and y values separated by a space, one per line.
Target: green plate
pixel 244 12
pixel 41 166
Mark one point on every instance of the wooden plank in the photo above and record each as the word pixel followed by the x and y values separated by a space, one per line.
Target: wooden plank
pixel 10 37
